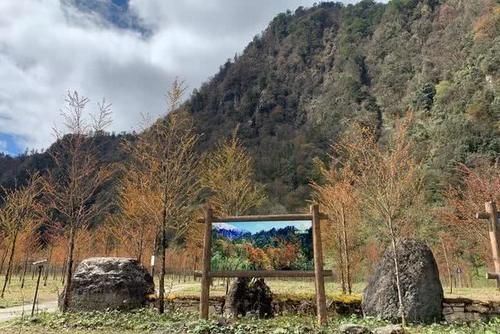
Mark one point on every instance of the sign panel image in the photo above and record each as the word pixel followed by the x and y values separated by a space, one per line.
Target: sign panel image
pixel 262 245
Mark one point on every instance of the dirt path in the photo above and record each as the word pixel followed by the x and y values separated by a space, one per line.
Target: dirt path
pixel 10 313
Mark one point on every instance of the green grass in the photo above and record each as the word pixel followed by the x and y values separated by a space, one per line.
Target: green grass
pixel 283 289
pixel 301 289
pixel 182 322
pixel 15 296
pixel 186 322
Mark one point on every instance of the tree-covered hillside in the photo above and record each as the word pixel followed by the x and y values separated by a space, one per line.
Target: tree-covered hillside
pixel 313 72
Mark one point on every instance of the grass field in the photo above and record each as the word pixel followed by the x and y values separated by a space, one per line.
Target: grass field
pixel 15 296
pixel 296 289
pixel 305 289
pixel 182 322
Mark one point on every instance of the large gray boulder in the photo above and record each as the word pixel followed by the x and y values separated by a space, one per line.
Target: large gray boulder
pixel 102 283
pixel 249 296
pixel 421 287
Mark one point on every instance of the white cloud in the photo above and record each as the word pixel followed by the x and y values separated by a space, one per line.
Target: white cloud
pixel 47 47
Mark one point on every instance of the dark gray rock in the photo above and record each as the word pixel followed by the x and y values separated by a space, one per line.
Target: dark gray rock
pixel 353 329
pixel 102 283
pixel 237 301
pixel 422 290
pixel 249 296
pixel 262 298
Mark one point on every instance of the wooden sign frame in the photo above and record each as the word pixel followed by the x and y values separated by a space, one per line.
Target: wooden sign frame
pixel 493 218
pixel 206 274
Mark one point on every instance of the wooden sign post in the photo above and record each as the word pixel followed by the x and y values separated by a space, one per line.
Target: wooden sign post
pixel 206 274
pixel 491 215
pixel 39 264
pixel 207 258
pixel 318 266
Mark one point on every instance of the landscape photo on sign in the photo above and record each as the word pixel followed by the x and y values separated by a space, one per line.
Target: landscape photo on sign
pixel 249 245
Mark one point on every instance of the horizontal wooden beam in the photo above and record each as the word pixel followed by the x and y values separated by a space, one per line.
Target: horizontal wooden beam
pixel 492 275
pixel 264 273
pixel 264 218
pixel 485 215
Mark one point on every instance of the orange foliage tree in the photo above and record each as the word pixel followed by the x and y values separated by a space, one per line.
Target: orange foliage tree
pixel 17 215
pixel 389 180
pixel 228 177
pixel 462 231
pixel 163 169
pixel 338 197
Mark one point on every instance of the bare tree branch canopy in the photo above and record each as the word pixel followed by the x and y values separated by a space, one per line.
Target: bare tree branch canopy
pixel 79 176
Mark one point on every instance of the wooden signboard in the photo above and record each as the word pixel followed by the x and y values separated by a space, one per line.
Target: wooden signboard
pixel 206 274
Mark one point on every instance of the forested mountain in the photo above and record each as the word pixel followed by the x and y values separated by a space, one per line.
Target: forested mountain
pixel 311 73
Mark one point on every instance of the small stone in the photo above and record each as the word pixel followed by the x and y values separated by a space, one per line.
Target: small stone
pixel 390 329
pixel 477 308
pixel 305 307
pixel 447 310
pixel 354 329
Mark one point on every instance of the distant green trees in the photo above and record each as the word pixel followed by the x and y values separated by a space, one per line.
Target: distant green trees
pixel 295 89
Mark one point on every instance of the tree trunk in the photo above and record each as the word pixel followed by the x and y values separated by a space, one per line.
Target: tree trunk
pixel 161 283
pixel 341 266
pixel 69 270
pixel 161 292
pixel 153 260
pixel 346 254
pixel 4 256
pixel 397 274
pixel 47 269
pixel 140 249
pixel 448 269
pixel 63 270
pixel 25 268
pixel 9 264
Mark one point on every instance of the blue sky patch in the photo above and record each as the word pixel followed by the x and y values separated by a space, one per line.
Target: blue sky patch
pixel 9 144
pixel 115 12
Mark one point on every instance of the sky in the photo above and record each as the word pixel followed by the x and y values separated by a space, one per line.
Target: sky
pixel 127 51
pixel 254 227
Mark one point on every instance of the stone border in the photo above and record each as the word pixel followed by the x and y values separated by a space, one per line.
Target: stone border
pixel 468 310
pixel 455 310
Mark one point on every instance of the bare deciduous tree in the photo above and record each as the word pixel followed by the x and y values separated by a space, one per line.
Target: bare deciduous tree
pixel 72 186
pixel 390 182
